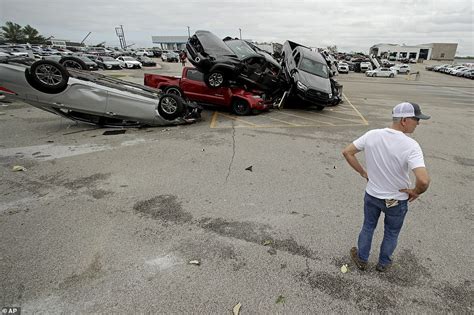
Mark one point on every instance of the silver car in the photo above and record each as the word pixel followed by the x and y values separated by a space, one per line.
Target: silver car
pixel 91 97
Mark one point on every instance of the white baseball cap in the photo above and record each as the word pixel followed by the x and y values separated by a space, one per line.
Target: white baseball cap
pixel 406 109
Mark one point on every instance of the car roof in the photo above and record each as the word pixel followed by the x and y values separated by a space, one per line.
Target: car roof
pixel 313 55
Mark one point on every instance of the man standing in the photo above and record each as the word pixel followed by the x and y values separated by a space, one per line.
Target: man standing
pixel 390 154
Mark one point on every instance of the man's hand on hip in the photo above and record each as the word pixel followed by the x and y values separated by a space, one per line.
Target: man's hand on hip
pixel 412 194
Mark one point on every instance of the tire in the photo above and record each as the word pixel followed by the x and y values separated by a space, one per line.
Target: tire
pixel 73 62
pixel 170 106
pixel 374 75
pixel 214 79
pixel 241 107
pixel 174 90
pixel 391 75
pixel 48 76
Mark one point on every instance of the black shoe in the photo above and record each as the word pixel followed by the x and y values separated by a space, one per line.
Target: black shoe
pixel 362 265
pixel 381 268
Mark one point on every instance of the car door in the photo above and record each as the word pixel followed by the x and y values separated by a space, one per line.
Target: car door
pixel 193 86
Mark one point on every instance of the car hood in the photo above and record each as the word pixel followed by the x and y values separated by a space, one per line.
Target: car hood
pixel 213 45
pixel 314 82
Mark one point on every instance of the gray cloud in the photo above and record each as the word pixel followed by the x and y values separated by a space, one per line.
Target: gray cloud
pixel 351 25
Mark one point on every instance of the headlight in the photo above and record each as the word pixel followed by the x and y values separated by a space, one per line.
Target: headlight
pixel 330 95
pixel 301 86
pixel 109 66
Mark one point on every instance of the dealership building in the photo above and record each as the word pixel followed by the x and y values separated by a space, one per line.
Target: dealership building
pixel 170 42
pixel 432 51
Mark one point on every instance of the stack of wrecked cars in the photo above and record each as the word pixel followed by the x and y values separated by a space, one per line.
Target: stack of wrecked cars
pixel 302 74
pixel 91 97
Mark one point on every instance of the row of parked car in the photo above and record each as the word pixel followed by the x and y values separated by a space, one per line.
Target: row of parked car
pixel 84 61
pixel 455 70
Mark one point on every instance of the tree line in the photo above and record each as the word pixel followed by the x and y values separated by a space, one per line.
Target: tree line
pixel 15 33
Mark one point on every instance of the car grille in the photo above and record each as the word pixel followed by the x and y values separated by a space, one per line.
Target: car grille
pixel 314 95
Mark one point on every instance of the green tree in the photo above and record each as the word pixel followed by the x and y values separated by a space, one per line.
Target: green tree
pixel 32 36
pixel 13 32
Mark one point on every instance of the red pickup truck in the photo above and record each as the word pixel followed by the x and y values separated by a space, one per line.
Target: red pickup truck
pixel 191 85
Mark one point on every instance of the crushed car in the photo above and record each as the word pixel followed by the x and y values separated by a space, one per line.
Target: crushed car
pixel 191 86
pixel 91 97
pixel 233 61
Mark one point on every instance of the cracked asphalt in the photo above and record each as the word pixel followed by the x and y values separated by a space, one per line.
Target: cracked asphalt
pixel 109 224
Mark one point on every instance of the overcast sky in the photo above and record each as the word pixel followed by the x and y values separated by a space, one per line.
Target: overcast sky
pixel 352 25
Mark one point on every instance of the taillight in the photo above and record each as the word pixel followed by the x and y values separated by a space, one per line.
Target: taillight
pixel 6 91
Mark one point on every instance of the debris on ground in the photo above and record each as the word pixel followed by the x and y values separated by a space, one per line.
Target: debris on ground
pixel 50 141
pixel 202 150
pixel 249 168
pixel 18 168
pixel 236 309
pixel 195 262
pixel 267 242
pixel 334 166
pixel 344 268
pixel 167 129
pixel 114 132
pixel 2 113
pixel 280 299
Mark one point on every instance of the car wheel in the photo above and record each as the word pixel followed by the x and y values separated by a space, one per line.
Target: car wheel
pixel 170 106
pixel 407 72
pixel 72 62
pixel 48 76
pixel 374 75
pixel 391 75
pixel 240 107
pixel 214 79
pixel 174 90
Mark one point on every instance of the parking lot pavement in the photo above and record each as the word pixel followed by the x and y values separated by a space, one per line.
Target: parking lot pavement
pixel 105 224
pixel 341 115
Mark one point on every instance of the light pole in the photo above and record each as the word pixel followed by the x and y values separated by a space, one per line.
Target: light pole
pixel 189 34
pixel 240 32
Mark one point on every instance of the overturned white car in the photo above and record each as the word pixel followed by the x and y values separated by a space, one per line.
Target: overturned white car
pixel 91 97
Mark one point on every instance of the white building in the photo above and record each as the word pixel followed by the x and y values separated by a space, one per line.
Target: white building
pixel 435 51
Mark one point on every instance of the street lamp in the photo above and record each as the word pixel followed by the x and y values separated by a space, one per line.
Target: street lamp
pixel 240 32
pixel 189 34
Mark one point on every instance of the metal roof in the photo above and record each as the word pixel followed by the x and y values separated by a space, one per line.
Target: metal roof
pixel 169 39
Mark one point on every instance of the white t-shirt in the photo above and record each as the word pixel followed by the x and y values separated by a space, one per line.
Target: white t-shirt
pixel 389 157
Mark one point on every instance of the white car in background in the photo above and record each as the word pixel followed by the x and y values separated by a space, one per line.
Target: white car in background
pixel 381 72
pixel 143 52
pixel 457 69
pixel 403 68
pixel 343 67
pixel 365 66
pixel 129 62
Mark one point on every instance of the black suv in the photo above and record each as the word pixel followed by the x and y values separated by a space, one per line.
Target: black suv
pixel 309 75
pixel 233 60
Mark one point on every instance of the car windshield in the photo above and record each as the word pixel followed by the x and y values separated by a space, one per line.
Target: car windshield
pixel 128 58
pixel 108 59
pixel 239 48
pixel 314 67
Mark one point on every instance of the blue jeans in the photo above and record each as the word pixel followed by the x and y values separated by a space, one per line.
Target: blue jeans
pixel 393 222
